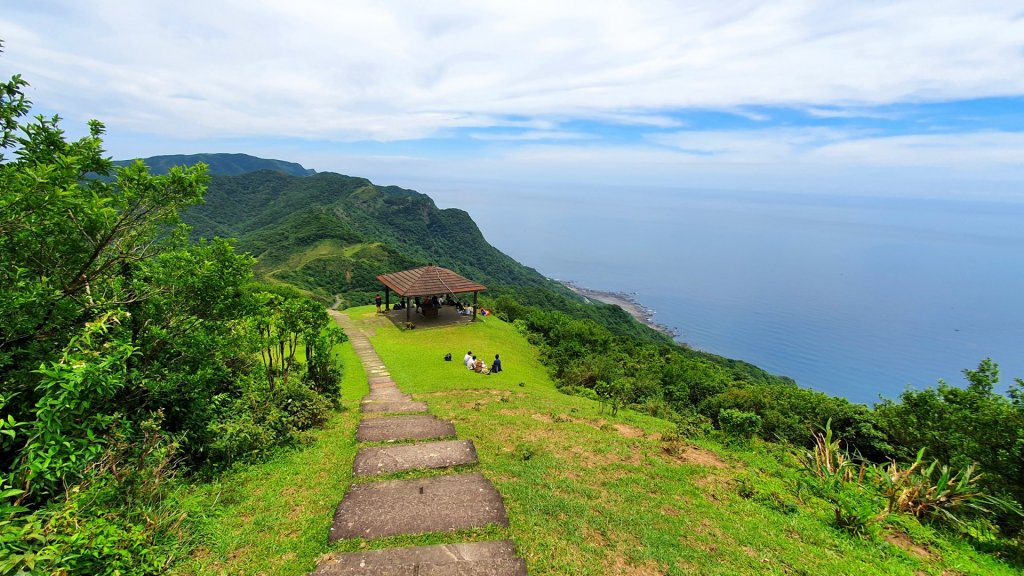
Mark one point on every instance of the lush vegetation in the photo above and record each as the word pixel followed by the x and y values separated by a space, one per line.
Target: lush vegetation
pixel 129 354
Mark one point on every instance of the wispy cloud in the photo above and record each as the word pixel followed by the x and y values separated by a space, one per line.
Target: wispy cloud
pixel 851 113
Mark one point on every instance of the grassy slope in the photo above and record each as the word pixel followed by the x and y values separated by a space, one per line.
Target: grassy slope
pixel 586 493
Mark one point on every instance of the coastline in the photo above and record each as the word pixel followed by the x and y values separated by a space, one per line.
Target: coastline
pixel 627 302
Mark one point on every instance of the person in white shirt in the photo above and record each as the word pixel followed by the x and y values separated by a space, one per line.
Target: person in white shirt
pixel 467 358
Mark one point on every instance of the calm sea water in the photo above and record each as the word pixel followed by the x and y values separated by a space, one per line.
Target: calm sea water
pixel 855 297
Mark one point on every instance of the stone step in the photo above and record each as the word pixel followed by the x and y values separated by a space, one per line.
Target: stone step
pixel 399 407
pixel 419 456
pixel 392 428
pixel 513 567
pixel 438 504
pixel 386 395
pixel 475 559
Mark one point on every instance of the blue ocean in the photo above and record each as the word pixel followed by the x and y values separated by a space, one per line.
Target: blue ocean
pixel 857 297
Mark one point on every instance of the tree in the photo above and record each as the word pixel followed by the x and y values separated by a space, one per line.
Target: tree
pixel 74 237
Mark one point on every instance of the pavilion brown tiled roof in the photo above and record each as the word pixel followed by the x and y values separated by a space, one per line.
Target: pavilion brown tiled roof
pixel 427 281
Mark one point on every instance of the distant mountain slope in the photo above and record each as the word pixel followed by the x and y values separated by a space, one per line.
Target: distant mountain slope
pixel 332 234
pixel 224 164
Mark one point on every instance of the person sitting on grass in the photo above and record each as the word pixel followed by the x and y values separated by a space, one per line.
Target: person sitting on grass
pixel 480 367
pixel 467 358
pixel 471 363
pixel 496 365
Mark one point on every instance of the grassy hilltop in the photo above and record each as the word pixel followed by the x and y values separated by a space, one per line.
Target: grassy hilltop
pixel 586 493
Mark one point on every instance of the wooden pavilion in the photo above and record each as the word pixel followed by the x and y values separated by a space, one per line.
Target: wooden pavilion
pixel 427 281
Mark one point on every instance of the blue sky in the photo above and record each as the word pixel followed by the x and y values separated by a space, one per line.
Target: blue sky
pixel 901 98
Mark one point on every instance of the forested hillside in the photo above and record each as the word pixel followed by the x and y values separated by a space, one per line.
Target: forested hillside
pixel 333 234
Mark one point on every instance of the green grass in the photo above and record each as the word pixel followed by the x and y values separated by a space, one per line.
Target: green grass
pixel 586 493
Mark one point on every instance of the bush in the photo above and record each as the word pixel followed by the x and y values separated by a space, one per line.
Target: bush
pixel 739 424
pixel 303 407
pixel 580 391
pixel 691 424
pixel 238 437
pixel 114 521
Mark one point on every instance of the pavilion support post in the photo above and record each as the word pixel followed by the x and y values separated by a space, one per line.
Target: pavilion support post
pixel 407 310
pixel 387 298
pixel 474 305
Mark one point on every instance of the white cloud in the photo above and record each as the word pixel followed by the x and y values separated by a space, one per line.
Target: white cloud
pixel 404 70
pixel 530 135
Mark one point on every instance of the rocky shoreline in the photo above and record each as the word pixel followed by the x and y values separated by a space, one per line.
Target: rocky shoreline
pixel 627 302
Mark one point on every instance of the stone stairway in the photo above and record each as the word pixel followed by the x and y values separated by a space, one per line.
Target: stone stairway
pixel 445 503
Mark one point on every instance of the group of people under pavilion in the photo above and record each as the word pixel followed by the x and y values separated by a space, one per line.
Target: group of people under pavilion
pixel 430 288
pixel 426 290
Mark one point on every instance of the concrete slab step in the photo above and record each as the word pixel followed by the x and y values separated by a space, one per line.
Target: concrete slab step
pixel 419 456
pixel 386 395
pixel 514 567
pixel 438 504
pixel 471 559
pixel 392 428
pixel 402 407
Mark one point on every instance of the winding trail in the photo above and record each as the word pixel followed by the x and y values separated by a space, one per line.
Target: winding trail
pixel 405 439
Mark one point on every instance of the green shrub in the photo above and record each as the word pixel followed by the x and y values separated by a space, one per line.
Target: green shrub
pixel 692 425
pixel 739 424
pixel 114 521
pixel 237 438
pixel 580 391
pixel 304 408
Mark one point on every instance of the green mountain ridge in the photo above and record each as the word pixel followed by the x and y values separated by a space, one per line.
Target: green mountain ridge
pixel 222 163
